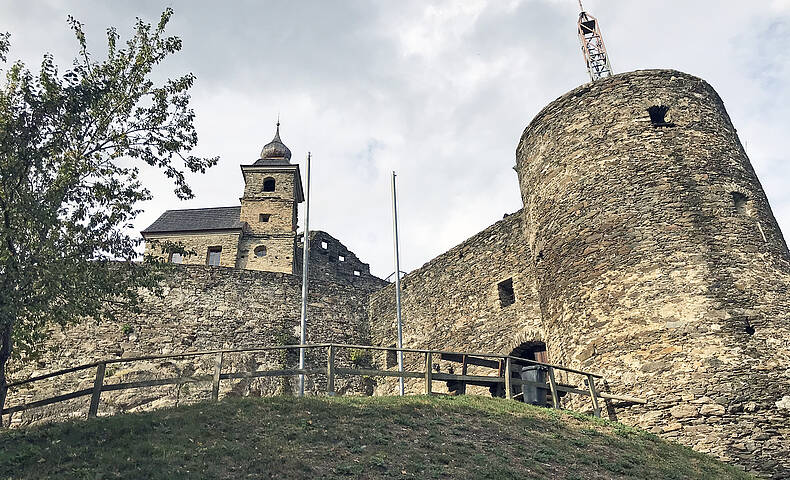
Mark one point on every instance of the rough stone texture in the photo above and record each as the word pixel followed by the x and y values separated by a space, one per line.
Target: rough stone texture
pixel 452 302
pixel 203 308
pixel 198 242
pixel 646 255
pixel 326 263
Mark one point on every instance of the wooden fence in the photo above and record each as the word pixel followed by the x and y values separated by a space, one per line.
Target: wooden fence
pixel 504 375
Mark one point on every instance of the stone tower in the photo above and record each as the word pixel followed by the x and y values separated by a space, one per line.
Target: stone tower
pixel 272 191
pixel 659 263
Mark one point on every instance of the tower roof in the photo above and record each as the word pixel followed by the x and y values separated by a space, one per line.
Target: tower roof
pixel 275 152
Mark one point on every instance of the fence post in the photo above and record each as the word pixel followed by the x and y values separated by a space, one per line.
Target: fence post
pixel 428 373
pixel 3 395
pixel 97 384
pixel 594 396
pixel 508 390
pixel 553 385
pixel 330 371
pixel 217 373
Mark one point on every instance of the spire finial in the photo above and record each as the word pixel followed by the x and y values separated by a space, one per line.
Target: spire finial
pixel 581 7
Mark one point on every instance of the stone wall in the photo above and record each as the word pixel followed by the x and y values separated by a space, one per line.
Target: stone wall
pixel 198 242
pixel 659 264
pixel 202 308
pixel 453 302
pixel 277 254
pixel 331 260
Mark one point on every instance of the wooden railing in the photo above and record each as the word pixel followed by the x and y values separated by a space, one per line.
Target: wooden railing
pixel 331 370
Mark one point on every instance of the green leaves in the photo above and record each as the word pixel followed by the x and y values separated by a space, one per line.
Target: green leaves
pixel 69 185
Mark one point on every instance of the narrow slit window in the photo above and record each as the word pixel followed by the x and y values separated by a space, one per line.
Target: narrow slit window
pixel 507 296
pixel 392 357
pixel 213 256
pixel 264 217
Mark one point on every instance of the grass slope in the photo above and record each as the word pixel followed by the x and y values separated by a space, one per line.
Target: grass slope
pixel 373 437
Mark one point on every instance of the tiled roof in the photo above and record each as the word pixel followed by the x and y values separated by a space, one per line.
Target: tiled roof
pixel 219 218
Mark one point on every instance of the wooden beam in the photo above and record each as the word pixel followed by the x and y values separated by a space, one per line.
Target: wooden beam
pixel 508 390
pixel 594 396
pixel 96 393
pixel 217 374
pixel 555 400
pixel 428 372
pixel 330 371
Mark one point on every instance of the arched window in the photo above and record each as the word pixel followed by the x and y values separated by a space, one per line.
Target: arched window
pixel 260 251
pixel 268 184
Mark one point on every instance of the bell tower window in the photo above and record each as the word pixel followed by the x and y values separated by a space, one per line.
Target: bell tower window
pixel 268 184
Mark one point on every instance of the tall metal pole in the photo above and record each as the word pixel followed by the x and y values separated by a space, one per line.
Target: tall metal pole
pixel 305 271
pixel 397 281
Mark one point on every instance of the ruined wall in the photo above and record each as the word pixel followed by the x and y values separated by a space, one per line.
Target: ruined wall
pixel 198 242
pixel 453 301
pixel 659 264
pixel 202 308
pixel 331 260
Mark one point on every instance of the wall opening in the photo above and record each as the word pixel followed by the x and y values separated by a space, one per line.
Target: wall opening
pixel 392 357
pixel 658 115
pixel 739 202
pixel 357 273
pixel 341 258
pixel 176 257
pixel 268 184
pixel 506 294
pixel 260 251
pixel 749 329
pixel 213 255
pixel 324 245
pixel 264 217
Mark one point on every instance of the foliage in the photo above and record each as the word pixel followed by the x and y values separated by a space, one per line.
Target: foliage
pixel 350 437
pixel 71 146
pixel 360 357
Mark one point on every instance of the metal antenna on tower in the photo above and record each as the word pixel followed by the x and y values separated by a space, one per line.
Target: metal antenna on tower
pixel 592 46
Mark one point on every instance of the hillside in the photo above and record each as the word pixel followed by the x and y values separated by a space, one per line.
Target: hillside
pixel 372 437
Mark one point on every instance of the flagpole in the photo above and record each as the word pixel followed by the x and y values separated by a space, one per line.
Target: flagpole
pixel 397 283
pixel 305 271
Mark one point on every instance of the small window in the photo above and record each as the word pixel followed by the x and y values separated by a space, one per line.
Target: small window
pixel 260 251
pixel 213 255
pixel 658 115
pixel 506 294
pixel 176 257
pixel 392 357
pixel 341 258
pixel 324 245
pixel 357 273
pixel 268 184
pixel 264 217
pixel 739 201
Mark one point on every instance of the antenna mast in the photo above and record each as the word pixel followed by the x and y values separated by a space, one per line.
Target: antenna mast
pixel 592 46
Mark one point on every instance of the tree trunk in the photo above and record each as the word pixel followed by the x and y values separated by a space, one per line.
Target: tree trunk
pixel 5 354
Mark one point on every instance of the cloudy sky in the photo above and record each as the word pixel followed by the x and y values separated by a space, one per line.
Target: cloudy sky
pixel 438 91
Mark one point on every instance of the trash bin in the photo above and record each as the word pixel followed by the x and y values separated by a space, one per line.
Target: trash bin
pixel 534 395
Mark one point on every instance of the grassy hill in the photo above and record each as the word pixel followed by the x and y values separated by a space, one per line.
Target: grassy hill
pixel 373 437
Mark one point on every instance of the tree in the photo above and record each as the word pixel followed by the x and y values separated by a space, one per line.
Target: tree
pixel 70 150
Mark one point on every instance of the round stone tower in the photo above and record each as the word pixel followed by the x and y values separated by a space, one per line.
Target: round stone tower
pixel 659 264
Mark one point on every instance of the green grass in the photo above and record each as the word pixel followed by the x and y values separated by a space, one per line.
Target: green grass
pixel 371 437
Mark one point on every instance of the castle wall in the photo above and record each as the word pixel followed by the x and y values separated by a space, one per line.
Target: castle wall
pixel 331 260
pixel 453 302
pixel 202 308
pixel 198 242
pixel 659 264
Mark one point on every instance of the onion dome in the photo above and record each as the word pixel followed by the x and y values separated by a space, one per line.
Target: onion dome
pixel 274 151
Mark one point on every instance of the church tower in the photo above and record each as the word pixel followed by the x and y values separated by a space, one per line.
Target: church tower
pixel 272 191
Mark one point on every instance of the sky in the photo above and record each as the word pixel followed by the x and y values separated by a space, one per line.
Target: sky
pixel 438 91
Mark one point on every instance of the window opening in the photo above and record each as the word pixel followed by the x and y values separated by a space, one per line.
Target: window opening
pixel 176 257
pixel 264 217
pixel 506 294
pixel 268 184
pixel 260 251
pixel 739 201
pixel 213 255
pixel 357 273
pixel 324 245
pixel 658 115
pixel 341 258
